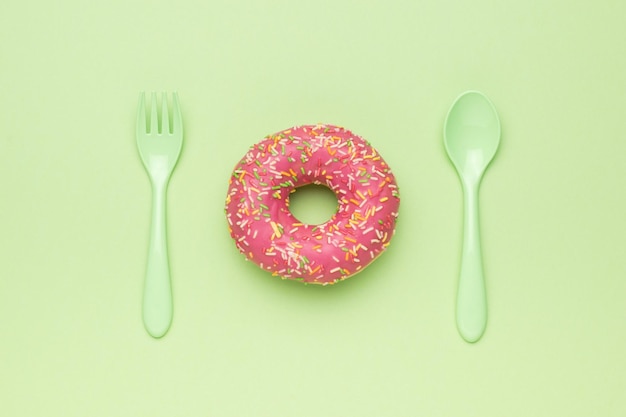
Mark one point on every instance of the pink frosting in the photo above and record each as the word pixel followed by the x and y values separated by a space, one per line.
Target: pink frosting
pixel 266 232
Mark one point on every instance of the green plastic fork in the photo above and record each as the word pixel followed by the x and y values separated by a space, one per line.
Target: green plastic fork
pixel 159 146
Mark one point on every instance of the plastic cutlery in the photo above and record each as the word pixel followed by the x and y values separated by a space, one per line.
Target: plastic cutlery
pixel 471 138
pixel 159 144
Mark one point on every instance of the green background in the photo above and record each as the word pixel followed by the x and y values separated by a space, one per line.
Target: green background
pixel 74 209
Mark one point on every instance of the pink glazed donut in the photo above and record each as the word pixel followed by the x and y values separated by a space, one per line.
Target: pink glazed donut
pixel 265 231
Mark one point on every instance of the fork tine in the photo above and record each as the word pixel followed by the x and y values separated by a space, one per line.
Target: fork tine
pixel 177 118
pixel 154 118
pixel 141 114
pixel 165 118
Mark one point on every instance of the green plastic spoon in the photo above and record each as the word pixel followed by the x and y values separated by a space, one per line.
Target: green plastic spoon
pixel 471 137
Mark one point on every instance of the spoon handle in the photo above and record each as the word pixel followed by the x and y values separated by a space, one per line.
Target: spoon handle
pixel 471 308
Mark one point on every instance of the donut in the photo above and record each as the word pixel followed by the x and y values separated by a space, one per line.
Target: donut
pixel 268 234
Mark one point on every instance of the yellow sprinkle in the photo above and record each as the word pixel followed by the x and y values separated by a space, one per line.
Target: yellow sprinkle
pixel 382 200
pixel 360 194
pixel 275 229
pixel 350 239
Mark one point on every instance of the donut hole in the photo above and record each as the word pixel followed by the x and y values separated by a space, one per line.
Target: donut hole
pixel 313 204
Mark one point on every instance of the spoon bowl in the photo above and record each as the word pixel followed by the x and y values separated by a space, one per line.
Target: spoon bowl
pixel 471 138
pixel 472 132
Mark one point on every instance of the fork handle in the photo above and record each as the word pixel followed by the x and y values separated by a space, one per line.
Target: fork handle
pixel 157 296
